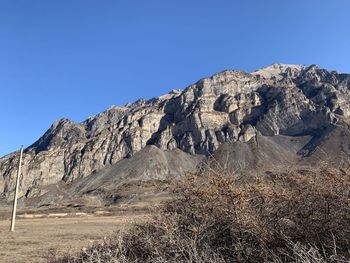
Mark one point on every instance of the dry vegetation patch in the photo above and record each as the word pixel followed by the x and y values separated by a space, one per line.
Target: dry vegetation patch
pixel 297 216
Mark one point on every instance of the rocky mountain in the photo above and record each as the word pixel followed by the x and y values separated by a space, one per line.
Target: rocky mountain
pixel 281 113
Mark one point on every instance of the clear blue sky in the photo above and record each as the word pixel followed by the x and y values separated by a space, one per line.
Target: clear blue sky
pixel 74 59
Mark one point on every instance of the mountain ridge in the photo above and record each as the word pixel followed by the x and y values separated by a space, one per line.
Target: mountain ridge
pixel 230 106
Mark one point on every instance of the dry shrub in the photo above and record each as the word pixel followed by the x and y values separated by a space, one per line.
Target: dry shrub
pixel 297 216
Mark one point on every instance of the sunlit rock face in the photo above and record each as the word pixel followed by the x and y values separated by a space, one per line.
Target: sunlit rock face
pixel 231 106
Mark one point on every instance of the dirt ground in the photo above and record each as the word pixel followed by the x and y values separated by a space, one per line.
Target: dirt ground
pixel 34 237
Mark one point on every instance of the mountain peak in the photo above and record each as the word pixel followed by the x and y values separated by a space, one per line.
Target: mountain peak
pixel 277 69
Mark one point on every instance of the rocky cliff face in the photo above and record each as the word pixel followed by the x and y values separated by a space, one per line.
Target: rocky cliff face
pixel 231 106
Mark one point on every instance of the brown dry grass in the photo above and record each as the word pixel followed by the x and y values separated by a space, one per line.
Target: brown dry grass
pixel 33 238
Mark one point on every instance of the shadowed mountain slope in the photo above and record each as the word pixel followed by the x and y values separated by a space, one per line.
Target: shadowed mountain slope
pixel 276 115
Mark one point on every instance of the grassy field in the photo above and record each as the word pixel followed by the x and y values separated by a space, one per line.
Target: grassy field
pixel 34 237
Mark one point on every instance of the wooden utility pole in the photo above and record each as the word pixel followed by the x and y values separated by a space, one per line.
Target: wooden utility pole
pixel 16 191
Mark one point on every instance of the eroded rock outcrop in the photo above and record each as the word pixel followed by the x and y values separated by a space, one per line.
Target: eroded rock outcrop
pixel 231 106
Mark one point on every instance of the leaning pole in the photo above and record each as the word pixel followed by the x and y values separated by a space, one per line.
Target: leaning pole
pixel 16 191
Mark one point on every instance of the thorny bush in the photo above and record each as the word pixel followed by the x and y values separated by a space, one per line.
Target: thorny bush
pixel 295 216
